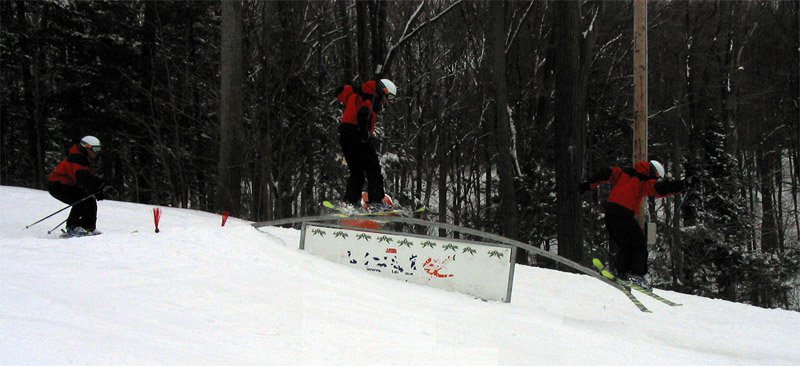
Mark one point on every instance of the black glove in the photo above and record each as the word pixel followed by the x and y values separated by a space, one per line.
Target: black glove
pixel 364 124
pixel 668 187
pixel 691 181
pixel 363 118
pixel 584 187
pixel 364 135
pixel 102 189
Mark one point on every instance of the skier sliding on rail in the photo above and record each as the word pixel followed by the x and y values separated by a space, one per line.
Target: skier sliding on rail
pixel 356 133
pixel 628 245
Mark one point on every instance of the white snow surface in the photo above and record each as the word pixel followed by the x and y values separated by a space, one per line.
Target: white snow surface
pixel 198 293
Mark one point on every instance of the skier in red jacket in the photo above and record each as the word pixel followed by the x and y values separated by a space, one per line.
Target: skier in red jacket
pixel 356 131
pixel 73 179
pixel 628 245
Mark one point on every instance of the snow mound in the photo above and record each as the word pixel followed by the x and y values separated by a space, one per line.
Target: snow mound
pixel 199 293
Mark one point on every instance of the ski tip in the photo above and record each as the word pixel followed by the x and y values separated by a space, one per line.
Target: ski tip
pixel 598 264
pixel 608 275
pixel 602 268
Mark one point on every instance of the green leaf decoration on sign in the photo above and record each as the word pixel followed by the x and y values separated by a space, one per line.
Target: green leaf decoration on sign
pixel 450 246
pixel 385 238
pixel 428 244
pixel 495 253
pixel 405 242
pixel 469 250
pixel 363 236
pixel 341 234
pixel 319 232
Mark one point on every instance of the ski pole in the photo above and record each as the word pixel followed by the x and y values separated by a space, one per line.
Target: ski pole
pixel 57 226
pixel 52 214
pixel 683 199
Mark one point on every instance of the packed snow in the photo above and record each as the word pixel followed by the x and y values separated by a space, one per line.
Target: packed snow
pixel 201 293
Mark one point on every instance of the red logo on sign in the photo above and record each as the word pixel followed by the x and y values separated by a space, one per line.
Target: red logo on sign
pixel 433 266
pixel 391 250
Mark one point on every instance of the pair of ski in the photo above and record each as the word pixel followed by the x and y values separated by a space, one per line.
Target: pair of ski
pixel 67 235
pixel 347 211
pixel 627 286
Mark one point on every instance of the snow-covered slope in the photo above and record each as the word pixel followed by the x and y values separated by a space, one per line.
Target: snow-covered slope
pixel 198 293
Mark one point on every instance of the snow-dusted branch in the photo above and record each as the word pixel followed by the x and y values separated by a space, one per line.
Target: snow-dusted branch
pixel 513 35
pixel 407 35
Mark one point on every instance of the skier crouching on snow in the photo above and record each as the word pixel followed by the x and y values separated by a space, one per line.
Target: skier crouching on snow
pixel 73 179
pixel 628 245
pixel 356 131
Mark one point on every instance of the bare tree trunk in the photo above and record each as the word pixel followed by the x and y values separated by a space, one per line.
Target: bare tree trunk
pixel 347 45
pixel 32 81
pixel 232 77
pixel 420 167
pixel 143 152
pixel 779 227
pixel 40 104
pixel 364 68
pixel 674 222
pixel 441 156
pixel 769 235
pixel 505 160
pixel 693 110
pixel 640 105
pixel 794 119
pixel 570 133
pixel 262 175
pixel 458 173
pixel 793 188
pixel 487 153
pixel 377 20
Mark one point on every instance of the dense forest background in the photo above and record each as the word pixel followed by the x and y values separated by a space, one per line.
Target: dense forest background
pixel 503 108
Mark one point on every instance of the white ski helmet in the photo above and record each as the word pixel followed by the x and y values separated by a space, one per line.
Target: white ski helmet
pixel 656 169
pixel 388 87
pixel 91 143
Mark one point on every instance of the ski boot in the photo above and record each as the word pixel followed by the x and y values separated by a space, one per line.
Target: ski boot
pixel 386 204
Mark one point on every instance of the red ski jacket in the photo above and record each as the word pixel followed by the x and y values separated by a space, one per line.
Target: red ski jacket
pixel 358 107
pixel 75 170
pixel 631 185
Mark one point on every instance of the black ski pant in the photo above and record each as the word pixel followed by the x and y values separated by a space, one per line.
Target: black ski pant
pixel 628 245
pixel 362 161
pixel 82 214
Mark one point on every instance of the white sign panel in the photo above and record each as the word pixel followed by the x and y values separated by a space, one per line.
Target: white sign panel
pixel 480 270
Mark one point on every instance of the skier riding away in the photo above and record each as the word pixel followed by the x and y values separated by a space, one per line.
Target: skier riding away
pixel 628 245
pixel 356 134
pixel 73 179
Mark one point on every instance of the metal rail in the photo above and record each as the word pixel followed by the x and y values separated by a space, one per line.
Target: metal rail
pixel 461 229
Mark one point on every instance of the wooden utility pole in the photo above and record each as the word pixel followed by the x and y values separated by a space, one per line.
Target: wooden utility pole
pixel 229 180
pixel 640 89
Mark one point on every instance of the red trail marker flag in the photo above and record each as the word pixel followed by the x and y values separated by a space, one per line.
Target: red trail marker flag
pixel 156 216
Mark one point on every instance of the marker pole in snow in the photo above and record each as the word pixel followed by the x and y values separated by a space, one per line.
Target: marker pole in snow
pixel 225 215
